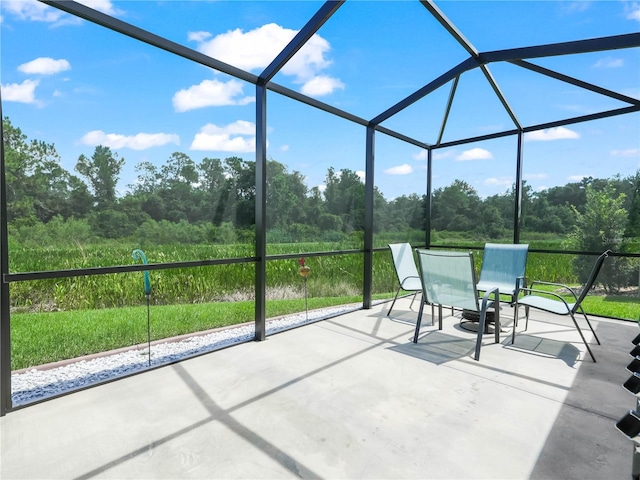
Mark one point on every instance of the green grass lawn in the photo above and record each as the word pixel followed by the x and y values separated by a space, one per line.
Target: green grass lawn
pixel 39 338
pixel 44 337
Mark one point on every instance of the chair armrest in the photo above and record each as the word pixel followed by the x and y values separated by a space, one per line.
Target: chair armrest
pixel 406 278
pixel 487 294
pixel 544 292
pixel 561 285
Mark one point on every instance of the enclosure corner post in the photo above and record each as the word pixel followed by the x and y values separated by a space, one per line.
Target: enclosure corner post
pixel 260 213
pixel 427 205
pixel 517 214
pixel 5 312
pixel 368 218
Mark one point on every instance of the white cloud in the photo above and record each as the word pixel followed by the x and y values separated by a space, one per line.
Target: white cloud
pixel 44 66
pixel 542 188
pixel 284 148
pixel 475 154
pixel 577 178
pixel 634 12
pixel 404 169
pixel 32 10
pixel 499 181
pixel 321 85
pixel 423 154
pixel 257 48
pixel 198 36
pixel 322 187
pixel 535 176
pixel 24 92
pixel 629 152
pixel 609 62
pixel 439 155
pixel 235 137
pixel 140 141
pixel 556 133
pixel 35 11
pixel 211 93
pixel 361 174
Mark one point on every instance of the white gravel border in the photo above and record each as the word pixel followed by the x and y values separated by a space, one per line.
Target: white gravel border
pixel 33 385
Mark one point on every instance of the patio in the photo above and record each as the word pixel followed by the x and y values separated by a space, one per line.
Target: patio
pixel 348 397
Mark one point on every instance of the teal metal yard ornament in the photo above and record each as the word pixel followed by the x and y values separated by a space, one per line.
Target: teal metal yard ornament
pixel 139 255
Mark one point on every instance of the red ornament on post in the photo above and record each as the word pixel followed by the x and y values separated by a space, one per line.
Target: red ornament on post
pixel 303 269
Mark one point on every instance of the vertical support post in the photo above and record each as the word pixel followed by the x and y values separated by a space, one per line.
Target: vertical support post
pixel 5 312
pixel 368 217
pixel 517 213
pixel 427 206
pixel 261 212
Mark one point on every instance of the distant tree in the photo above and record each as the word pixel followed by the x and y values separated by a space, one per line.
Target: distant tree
pixel 633 220
pixel 241 188
pixel 601 227
pixel 215 189
pixel 455 207
pixel 38 188
pixel 102 171
pixel 344 197
pixel 286 196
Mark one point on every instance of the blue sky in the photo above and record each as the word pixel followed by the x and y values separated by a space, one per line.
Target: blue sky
pixel 71 83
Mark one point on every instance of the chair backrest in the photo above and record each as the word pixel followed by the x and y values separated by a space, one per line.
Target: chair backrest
pixel 448 278
pixel 403 261
pixel 591 280
pixel 502 264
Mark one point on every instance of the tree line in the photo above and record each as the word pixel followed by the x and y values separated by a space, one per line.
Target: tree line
pixel 214 200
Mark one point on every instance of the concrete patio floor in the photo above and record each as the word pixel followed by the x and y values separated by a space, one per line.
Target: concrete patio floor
pixel 349 397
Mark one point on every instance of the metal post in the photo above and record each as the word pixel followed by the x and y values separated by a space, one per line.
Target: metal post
pixel 261 212
pixel 5 312
pixel 427 208
pixel 517 214
pixel 368 217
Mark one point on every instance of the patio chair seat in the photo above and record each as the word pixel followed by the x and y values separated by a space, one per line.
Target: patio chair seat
pixel 547 304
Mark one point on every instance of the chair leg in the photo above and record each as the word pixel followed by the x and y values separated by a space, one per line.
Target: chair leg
pixel 584 314
pixel 418 322
pixel 481 322
pixel 496 322
pixel 582 336
pixel 394 301
pixel 413 300
pixel 515 323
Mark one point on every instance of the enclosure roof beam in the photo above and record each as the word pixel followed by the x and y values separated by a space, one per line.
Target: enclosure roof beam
pixel 501 97
pixel 574 81
pixel 616 42
pixel 542 126
pixel 450 27
pixel 583 118
pixel 312 26
pixel 104 20
pixel 468 64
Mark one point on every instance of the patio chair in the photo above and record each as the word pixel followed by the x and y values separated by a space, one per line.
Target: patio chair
pixel 406 271
pixel 554 303
pixel 448 278
pixel 503 267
